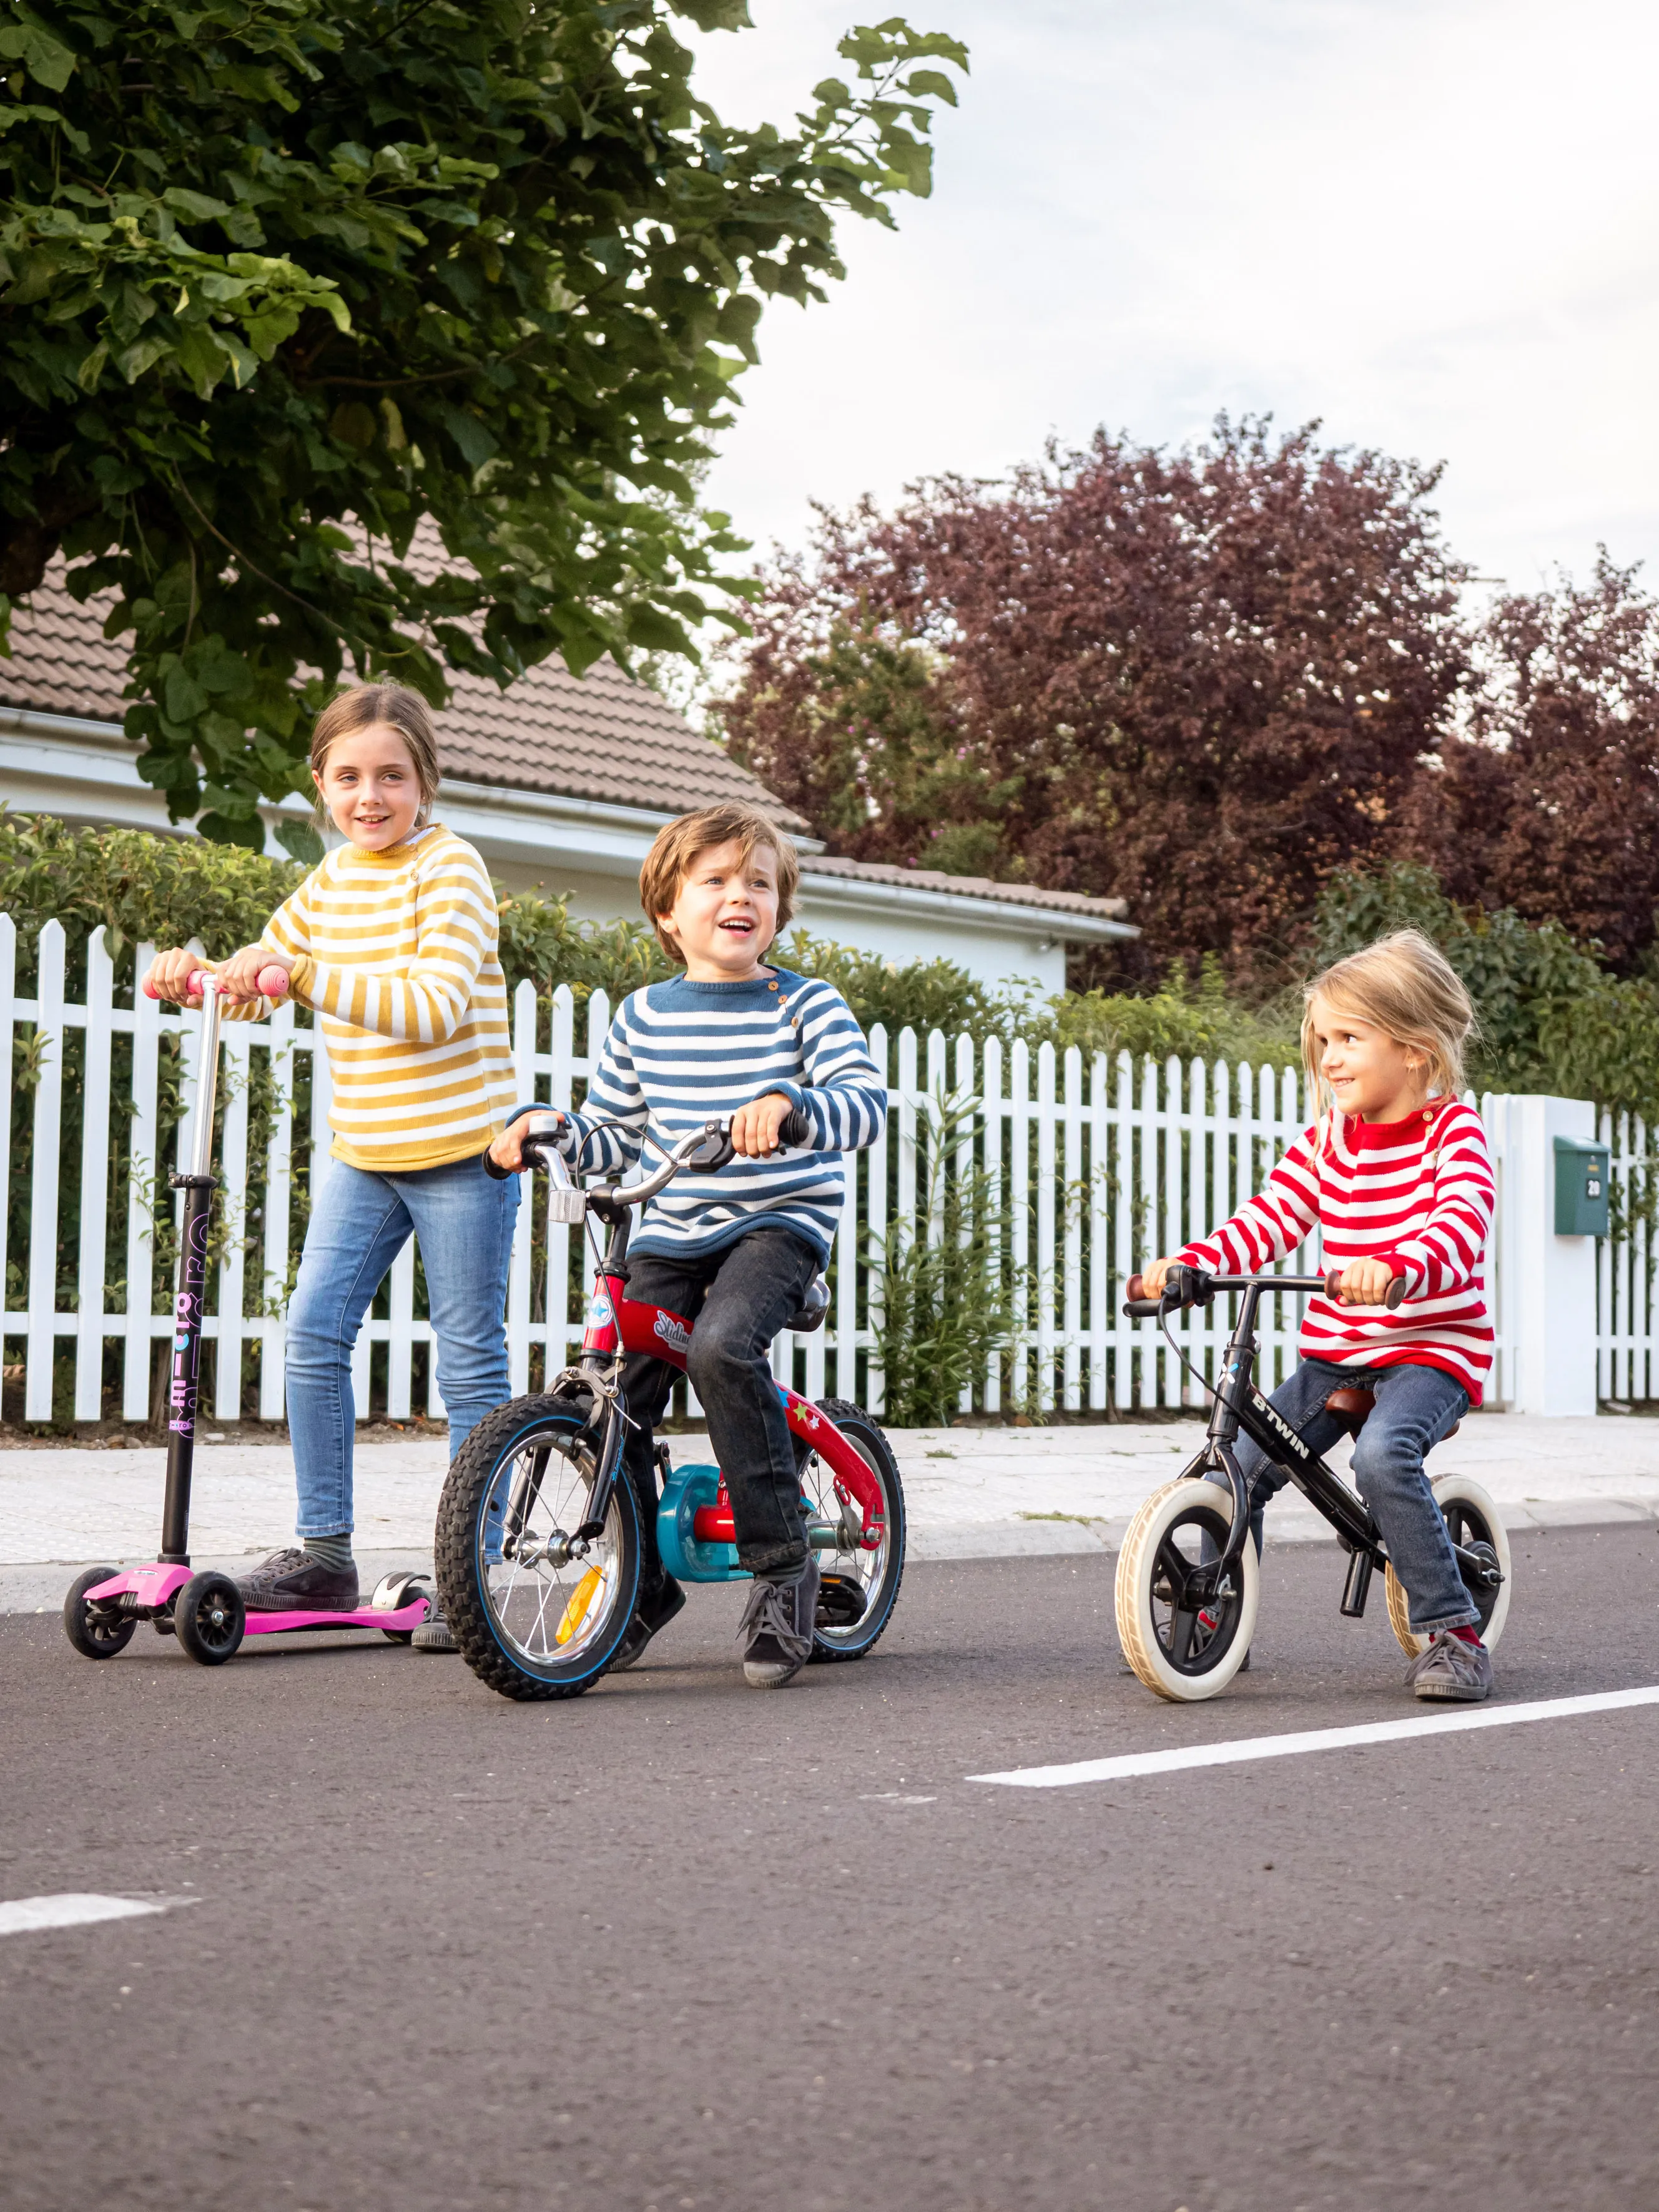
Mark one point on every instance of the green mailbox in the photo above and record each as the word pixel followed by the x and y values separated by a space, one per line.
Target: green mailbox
pixel 1581 1177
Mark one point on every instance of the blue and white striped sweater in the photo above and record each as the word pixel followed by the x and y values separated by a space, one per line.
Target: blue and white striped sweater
pixel 678 1053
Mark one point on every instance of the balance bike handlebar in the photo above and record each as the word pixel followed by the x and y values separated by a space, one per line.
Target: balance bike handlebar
pixel 1191 1286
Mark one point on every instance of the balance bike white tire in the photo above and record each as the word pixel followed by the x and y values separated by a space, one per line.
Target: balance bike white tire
pixel 1164 1538
pixel 1473 1519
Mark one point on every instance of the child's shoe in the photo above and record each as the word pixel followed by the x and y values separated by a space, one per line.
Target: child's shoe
pixel 434 1633
pixel 1452 1669
pixel 776 1629
pixel 292 1580
pixel 651 1614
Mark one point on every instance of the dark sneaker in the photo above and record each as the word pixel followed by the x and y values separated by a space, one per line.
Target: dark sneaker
pixel 1451 1670
pixel 776 1629
pixel 651 1615
pixel 293 1581
pixel 433 1634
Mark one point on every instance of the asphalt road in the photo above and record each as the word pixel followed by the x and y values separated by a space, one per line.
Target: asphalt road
pixel 681 1945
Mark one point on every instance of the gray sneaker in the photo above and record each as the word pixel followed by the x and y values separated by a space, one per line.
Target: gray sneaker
pixel 433 1634
pixel 1451 1670
pixel 292 1581
pixel 776 1629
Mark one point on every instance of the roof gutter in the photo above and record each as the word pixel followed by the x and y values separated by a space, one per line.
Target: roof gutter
pixel 1057 926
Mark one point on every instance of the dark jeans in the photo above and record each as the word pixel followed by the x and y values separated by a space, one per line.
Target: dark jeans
pixel 1415 1406
pixel 739 1298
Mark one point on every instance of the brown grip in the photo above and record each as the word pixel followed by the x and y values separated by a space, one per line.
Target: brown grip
pixel 1135 1287
pixel 1394 1297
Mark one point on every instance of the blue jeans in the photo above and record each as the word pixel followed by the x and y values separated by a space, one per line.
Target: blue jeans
pixel 463 1220
pixel 1415 1406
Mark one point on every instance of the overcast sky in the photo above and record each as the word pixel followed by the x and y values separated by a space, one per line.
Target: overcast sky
pixel 1430 223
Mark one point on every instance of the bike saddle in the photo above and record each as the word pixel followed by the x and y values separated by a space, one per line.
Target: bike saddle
pixel 1350 1407
pixel 813 1307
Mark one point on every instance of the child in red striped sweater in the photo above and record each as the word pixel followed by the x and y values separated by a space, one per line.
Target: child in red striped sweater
pixel 1396 1176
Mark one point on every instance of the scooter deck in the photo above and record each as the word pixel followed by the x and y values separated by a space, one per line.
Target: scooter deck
pixel 155 1585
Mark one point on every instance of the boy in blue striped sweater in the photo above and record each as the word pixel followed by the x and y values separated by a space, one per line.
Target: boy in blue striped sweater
pixel 735 1252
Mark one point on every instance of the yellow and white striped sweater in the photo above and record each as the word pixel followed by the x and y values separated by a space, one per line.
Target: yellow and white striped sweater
pixel 396 953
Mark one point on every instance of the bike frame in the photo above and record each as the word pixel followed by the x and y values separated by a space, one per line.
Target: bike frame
pixel 617 1325
pixel 1235 1404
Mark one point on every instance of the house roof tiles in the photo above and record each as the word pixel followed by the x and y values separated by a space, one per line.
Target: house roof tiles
pixel 602 737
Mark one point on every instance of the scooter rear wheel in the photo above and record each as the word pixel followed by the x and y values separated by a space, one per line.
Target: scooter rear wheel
pixel 1473 1519
pixel 530 1621
pixel 1185 1651
pixel 97 1631
pixel 209 1617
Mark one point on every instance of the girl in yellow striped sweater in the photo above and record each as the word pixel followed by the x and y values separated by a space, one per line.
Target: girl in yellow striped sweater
pixel 392 942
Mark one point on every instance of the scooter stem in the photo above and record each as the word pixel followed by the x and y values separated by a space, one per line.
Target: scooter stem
pixel 184 1382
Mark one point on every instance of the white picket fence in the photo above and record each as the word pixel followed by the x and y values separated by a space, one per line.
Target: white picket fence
pixel 1626 1351
pixel 1089 1167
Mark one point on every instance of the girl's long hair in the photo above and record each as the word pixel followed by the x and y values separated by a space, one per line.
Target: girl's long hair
pixel 1406 987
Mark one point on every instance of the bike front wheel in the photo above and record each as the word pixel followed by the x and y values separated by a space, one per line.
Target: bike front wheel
pixel 1184 1645
pixel 538 1612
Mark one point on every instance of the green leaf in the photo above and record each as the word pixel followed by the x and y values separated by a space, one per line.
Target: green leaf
pixel 45 58
pixel 300 839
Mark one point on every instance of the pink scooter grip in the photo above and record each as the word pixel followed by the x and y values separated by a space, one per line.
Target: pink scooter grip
pixel 193 987
pixel 273 983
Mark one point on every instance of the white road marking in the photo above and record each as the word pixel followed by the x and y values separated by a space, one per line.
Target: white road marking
pixel 1337 1739
pixel 22 1916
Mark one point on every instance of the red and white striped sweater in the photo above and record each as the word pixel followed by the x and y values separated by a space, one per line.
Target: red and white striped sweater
pixel 1418 1194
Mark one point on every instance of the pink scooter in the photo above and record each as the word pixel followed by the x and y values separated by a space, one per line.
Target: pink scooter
pixel 205 1611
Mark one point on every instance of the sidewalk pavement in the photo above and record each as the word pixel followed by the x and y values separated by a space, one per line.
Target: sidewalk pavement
pixel 972 1493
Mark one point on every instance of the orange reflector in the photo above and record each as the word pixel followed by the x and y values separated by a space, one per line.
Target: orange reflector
pixel 581 1602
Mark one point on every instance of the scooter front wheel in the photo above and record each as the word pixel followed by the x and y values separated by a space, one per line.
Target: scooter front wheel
pixel 1184 1643
pixel 1472 1520
pixel 209 1617
pixel 97 1631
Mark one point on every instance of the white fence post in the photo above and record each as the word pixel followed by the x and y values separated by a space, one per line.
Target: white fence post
pixel 42 1193
pixel 1546 1295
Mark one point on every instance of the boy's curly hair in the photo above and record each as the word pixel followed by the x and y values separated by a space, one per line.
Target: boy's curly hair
pixel 674 854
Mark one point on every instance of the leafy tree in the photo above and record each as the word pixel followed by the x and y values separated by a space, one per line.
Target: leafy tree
pixel 282 277
pixel 1550 801
pixel 1199 680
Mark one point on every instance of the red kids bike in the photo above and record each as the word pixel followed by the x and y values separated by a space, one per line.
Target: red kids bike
pixel 537 1545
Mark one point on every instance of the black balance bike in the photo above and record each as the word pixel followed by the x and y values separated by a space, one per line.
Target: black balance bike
pixel 1188 1577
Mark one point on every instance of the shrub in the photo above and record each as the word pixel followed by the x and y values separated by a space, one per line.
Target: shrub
pixel 1552 1017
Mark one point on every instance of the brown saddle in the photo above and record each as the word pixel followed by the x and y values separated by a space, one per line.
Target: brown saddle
pixel 1350 1409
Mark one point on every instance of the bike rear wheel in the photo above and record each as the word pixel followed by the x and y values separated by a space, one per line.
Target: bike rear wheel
pixel 535 1617
pixel 1184 1647
pixel 859 1589
pixel 1472 1518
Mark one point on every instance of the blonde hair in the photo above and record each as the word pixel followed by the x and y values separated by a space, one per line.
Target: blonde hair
pixel 1406 987
pixel 674 852
pixel 400 709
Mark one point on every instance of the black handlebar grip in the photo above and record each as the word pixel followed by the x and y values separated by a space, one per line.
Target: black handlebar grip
pixel 796 1127
pixel 497 1175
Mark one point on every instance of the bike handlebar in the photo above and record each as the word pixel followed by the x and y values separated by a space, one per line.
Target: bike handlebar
pixel 713 1142
pixel 1190 1286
